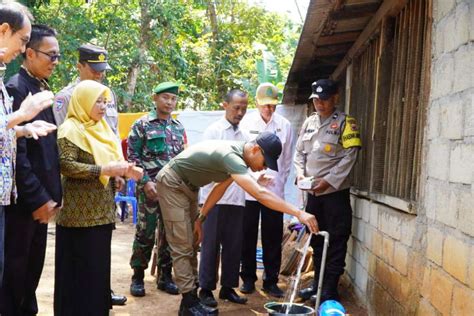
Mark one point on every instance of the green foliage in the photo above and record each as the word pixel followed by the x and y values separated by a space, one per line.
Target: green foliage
pixel 162 40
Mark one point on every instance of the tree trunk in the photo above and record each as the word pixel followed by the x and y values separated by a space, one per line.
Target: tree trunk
pixel 139 60
pixel 211 10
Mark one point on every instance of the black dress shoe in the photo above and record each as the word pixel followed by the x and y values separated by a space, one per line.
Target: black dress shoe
pixel 167 286
pixel 325 296
pixel 229 294
pixel 306 293
pixel 137 288
pixel 273 290
pixel 118 300
pixel 207 298
pixel 247 288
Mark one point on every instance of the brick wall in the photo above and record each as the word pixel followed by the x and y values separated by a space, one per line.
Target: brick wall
pixel 423 264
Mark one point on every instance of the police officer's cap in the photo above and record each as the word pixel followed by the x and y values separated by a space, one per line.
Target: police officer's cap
pixel 271 146
pixel 323 89
pixel 170 87
pixel 95 56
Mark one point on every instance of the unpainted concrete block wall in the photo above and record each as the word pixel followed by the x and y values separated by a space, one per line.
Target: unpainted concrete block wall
pixel 385 258
pixel 423 264
pixel 448 276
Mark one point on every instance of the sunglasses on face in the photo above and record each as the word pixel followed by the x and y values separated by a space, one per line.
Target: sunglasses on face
pixel 52 57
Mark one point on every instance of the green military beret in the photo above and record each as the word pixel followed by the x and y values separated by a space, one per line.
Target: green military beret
pixel 170 87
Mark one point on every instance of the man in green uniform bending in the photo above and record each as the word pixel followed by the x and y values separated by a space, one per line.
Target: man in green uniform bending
pixel 178 183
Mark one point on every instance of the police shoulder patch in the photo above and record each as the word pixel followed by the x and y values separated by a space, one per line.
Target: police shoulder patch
pixel 351 135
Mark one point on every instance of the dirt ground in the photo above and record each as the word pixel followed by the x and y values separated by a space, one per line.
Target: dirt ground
pixel 155 302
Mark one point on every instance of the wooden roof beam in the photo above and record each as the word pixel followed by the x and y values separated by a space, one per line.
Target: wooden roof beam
pixel 338 38
pixel 388 7
pixel 326 51
pixel 318 11
pixel 352 11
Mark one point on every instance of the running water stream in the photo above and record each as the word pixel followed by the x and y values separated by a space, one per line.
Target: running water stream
pixel 303 252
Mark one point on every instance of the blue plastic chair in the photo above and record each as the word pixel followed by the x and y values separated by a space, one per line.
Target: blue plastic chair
pixel 129 197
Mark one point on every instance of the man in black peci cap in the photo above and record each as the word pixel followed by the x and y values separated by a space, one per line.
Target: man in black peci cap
pixel 92 65
pixel 178 183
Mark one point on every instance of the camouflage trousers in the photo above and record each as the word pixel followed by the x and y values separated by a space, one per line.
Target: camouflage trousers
pixel 149 213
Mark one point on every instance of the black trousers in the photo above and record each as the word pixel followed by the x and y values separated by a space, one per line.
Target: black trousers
pixel 223 227
pixel 272 234
pixel 334 214
pixel 82 271
pixel 25 249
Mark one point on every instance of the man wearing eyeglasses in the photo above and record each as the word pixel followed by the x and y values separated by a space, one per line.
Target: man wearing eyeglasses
pixel 38 181
pixel 92 65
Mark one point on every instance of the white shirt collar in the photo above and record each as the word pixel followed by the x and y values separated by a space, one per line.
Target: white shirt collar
pixel 227 125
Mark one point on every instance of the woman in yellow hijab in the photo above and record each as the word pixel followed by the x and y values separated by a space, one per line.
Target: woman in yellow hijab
pixel 90 156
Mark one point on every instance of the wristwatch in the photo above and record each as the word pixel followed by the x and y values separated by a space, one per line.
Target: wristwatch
pixel 201 217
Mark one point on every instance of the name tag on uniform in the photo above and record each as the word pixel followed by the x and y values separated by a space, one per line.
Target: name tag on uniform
pixel 254 132
pixel 332 132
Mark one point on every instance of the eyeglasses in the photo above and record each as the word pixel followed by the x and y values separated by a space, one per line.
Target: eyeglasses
pixel 52 58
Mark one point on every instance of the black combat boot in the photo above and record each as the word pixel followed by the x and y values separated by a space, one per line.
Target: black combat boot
pixel 165 282
pixel 137 288
pixel 191 306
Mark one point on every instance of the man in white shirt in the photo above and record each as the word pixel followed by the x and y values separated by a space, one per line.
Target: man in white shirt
pixel 223 226
pixel 265 119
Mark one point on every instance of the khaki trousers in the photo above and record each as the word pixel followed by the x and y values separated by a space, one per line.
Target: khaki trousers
pixel 179 209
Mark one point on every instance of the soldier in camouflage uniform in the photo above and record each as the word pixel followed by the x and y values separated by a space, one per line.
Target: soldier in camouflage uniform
pixel 153 140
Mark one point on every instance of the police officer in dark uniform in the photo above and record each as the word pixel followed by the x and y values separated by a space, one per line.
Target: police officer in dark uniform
pixel 326 151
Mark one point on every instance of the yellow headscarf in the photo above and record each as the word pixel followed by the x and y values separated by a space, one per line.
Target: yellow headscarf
pixel 96 138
